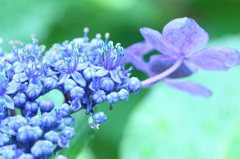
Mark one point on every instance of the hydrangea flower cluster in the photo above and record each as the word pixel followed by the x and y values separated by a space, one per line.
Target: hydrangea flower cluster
pixel 89 73
pixel 86 72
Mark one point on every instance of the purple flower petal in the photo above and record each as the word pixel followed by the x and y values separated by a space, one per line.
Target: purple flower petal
pixel 12 87
pixel 20 77
pixel 9 101
pixel 101 73
pixel 216 58
pixel 190 87
pixel 161 63
pixel 115 76
pixel 18 67
pixel 155 39
pixel 137 49
pixel 185 35
pixel 79 78
pixel 82 66
pixel 63 77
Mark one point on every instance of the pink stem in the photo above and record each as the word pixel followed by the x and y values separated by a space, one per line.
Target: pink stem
pixel 152 80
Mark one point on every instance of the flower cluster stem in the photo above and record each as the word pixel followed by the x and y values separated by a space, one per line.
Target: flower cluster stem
pixel 152 80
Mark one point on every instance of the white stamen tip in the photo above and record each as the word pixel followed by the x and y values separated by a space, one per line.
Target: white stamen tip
pixel 33 35
pixel 107 35
pixel 86 30
pixel 11 42
pixel 98 36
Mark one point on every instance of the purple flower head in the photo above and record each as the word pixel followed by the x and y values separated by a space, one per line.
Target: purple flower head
pixel 180 44
pixel 183 38
pixel 110 59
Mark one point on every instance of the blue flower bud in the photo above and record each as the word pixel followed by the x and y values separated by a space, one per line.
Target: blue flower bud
pixel 35 121
pixel 4 139
pixel 99 117
pixel 48 120
pixel 106 84
pixel 61 157
pixel 52 136
pixel 65 109
pixel 89 73
pixel 42 149
pixel 9 154
pixel 50 83
pixel 99 96
pixel 67 121
pixel 134 85
pixel 69 84
pixel 31 106
pixel 16 122
pixel 77 92
pixel 19 100
pixel 46 105
pixel 112 98
pixel 28 134
pixel 26 156
pixel 123 95
pixel 68 132
pixel 33 91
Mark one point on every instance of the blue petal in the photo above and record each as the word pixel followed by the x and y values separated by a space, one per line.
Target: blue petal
pixel 18 67
pixel 79 78
pixel 63 77
pixel 5 129
pixel 12 87
pixel 20 77
pixel 115 76
pixel 101 73
pixel 9 101
pixel 82 66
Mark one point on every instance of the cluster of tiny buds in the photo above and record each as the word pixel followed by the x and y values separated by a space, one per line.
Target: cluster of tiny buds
pixel 87 73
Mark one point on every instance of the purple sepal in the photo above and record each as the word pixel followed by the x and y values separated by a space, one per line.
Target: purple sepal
pixel 136 50
pixel 185 35
pixel 189 87
pixel 216 58
pixel 160 63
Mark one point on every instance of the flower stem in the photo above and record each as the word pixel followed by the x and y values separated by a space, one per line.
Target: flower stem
pixel 152 80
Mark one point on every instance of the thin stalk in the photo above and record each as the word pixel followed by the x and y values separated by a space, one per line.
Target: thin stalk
pixel 152 80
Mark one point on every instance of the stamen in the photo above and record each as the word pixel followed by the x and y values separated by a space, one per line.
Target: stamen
pixel 86 30
pixel 107 35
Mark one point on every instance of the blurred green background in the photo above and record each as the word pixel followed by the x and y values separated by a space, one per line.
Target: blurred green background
pixel 158 122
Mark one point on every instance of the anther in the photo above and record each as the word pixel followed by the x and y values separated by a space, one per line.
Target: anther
pixel 11 42
pixel 98 36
